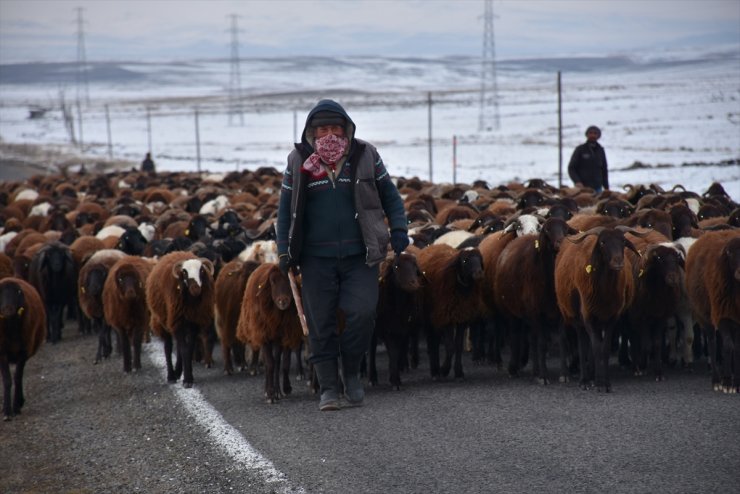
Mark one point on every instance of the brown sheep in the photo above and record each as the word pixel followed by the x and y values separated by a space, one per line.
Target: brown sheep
pixel 713 282
pixel 22 328
pixel 452 300
pixel 490 248
pixel 524 291
pixel 179 293
pixel 125 306
pixel 594 287
pixel 90 283
pixel 269 322
pixel 230 285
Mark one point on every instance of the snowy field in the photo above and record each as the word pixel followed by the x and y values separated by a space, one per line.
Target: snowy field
pixel 676 114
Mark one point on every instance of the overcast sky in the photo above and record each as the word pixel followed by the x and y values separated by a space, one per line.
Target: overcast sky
pixel 148 30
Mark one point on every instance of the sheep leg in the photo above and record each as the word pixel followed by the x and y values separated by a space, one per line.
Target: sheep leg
pixel 137 338
pixel 18 399
pixel 226 354
pixel 541 335
pixel 126 350
pixel 7 380
pixel 460 333
pixel 515 343
pixel 564 351
pixel 171 376
pixel 373 377
pixel 394 344
pixel 671 330
pixel 413 349
pixel 658 333
pixel 449 342
pixel 98 330
pixel 238 351
pixel 269 372
pixel 711 335
pixel 285 366
pixel 686 325
pixel 727 332
pixel 433 352
pixel 601 342
pixel 187 338
pixel 54 333
pixel 586 360
pixel 300 371
pixel 254 361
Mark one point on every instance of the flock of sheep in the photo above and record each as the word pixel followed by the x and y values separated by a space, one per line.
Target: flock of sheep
pixel 649 274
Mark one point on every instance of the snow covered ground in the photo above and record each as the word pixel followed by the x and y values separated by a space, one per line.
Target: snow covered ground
pixel 676 114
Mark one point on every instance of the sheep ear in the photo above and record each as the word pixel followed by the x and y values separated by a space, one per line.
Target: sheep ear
pixel 571 231
pixel 208 265
pixel 176 269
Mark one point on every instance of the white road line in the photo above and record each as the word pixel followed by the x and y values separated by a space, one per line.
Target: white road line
pixel 221 432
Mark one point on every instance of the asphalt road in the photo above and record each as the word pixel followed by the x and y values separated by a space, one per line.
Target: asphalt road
pixel 91 428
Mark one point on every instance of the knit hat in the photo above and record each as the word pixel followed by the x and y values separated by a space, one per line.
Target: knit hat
pixel 326 117
pixel 593 128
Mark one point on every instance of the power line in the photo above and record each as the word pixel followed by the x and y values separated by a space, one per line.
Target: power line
pixel 489 117
pixel 235 79
pixel 81 72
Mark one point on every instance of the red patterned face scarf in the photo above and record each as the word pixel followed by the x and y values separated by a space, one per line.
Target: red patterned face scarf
pixel 329 150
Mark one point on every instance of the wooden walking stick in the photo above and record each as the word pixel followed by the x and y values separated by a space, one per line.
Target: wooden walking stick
pixel 298 302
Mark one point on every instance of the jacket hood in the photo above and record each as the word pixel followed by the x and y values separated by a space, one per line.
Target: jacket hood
pixel 332 106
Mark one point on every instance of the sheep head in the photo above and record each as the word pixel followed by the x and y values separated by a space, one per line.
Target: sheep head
pixel 280 289
pixel 610 244
pixel 12 300
pixel 192 274
pixel 406 271
pixel 666 261
pixel 554 230
pixel 469 266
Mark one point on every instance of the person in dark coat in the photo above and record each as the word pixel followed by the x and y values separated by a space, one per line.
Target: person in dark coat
pixel 588 164
pixel 335 197
pixel 148 164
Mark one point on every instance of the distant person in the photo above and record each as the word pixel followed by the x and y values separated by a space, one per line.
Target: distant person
pixel 334 201
pixel 588 166
pixel 148 164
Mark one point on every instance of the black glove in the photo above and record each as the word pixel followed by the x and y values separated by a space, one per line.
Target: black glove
pixel 285 263
pixel 399 240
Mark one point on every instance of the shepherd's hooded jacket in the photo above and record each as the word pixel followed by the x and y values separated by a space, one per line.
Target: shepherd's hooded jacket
pixel 338 216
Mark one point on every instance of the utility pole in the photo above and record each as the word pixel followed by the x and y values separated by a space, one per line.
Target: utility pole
pixel 235 80
pixel 488 84
pixel 81 73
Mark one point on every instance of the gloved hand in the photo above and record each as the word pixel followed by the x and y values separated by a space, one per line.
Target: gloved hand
pixel 399 240
pixel 285 263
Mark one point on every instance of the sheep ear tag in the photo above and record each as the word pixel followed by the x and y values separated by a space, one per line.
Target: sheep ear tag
pixel 82 289
pixel 589 268
pixel 537 245
pixel 21 310
pixel 187 232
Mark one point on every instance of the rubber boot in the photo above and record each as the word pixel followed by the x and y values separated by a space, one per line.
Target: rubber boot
pixel 327 374
pixel 354 390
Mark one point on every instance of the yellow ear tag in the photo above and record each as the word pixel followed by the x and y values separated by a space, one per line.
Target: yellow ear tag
pixel 187 232
pixel 537 245
pixel 82 289
pixel 21 310
pixel 589 268
pixel 641 272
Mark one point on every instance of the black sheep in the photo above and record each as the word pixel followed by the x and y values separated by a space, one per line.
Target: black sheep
pixel 52 272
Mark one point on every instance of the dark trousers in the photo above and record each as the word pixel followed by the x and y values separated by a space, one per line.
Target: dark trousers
pixel 330 284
